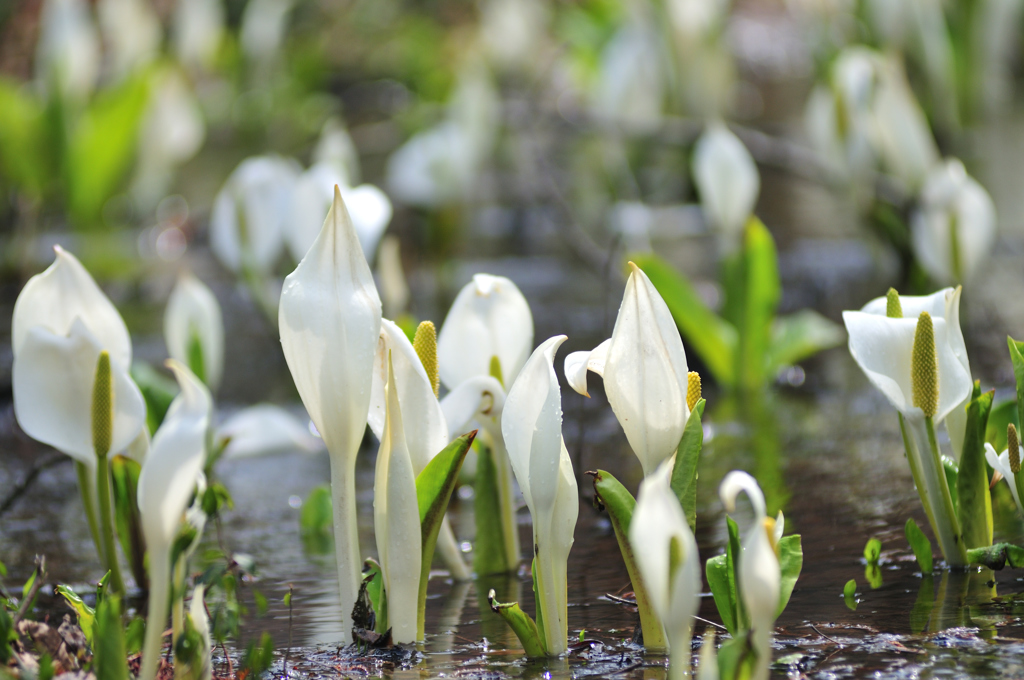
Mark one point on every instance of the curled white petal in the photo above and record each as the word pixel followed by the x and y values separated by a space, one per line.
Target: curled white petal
pixel 481 398
pixel 265 429
pixel 578 363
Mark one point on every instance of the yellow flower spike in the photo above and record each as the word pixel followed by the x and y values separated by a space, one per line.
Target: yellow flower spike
pixel 1013 448
pixel 893 308
pixel 102 406
pixel 692 389
pixel 495 370
pixel 425 344
pixel 924 369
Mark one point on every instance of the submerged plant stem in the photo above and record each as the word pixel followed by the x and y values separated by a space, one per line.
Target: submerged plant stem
pixel 107 524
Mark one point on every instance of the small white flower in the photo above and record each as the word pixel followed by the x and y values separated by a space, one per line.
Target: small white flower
pixel 193 316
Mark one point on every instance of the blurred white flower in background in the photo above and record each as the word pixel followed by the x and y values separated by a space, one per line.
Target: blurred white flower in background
pixel 954 229
pixel 630 88
pixel 904 141
pixel 198 27
pixel 703 59
pixel 264 23
pixel 131 33
pixel 336 148
pixel 68 51
pixel 513 30
pixel 728 182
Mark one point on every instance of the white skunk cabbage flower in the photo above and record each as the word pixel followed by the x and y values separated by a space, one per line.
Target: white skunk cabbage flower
pixel 194 329
pixel 68 50
pixel 532 428
pixel 512 31
pixel 131 33
pixel 630 88
pixel 1004 463
pixel 264 23
pixel 396 520
pixel 336 148
pixel 62 323
pixel 394 289
pixel 201 665
pixel 250 213
pixel 728 181
pixel 903 139
pixel 197 29
pixel 330 320
pixel 166 483
pixel 367 205
pixel 882 345
pixel 666 555
pixel 954 229
pixel 644 371
pixel 759 571
pixel 489 318
pixel 265 429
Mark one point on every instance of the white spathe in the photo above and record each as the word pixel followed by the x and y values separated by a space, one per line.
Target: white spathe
pixel 330 320
pixel 759 572
pixel 903 138
pixel 953 206
pixel 250 213
pixel 490 317
pixel 644 370
pixel 52 384
pixel 197 29
pixel 728 181
pixel 367 205
pixel 396 520
pixel 131 32
pixel 193 314
pixel 336 148
pixel 882 347
pixel 1000 462
pixel 68 49
pixel 630 87
pixel 265 429
pixel 53 300
pixel 531 423
pixel 657 522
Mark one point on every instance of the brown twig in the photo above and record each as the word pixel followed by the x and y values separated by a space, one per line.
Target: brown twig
pixel 38 575
pixel 21 487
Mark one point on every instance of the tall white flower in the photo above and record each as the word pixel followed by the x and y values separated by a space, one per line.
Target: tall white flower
pixel 330 319
pixel 396 520
pixel 630 90
pixel 264 23
pixel 532 428
pixel 954 229
pixel 194 329
pixel 489 318
pixel 903 139
pixel 68 51
pixel 198 26
pixel 368 207
pixel 728 181
pixel 644 370
pixel 666 555
pixel 250 213
pixel 166 483
pixel 132 33
pixel 759 572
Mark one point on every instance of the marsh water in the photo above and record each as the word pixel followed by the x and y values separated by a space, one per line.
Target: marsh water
pixel 822 443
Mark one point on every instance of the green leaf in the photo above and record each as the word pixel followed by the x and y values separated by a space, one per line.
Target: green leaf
pixel 684 472
pixel 737 658
pixel 723 580
pixel 261 602
pixel 135 635
pixel 1017 358
pixel 373 579
pixel 86 614
pixel 109 653
pixel 25 149
pixel 194 353
pixel 46 670
pixel 798 336
pixel 997 556
pixel 921 612
pixel 850 593
pixel 521 624
pixel 791 561
pixel 713 339
pixel 124 473
pixel 102 146
pixel 6 635
pixel 316 521
pixel 489 556
pixel 761 294
pixel 434 486
pixel 873 550
pixel 158 390
pixel 620 504
pixel 873 575
pixel 258 656
pixel 974 507
pixel 920 544
pixel 1001 416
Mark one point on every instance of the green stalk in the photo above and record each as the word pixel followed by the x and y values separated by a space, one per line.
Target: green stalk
pixel 506 503
pixel 934 491
pixel 159 585
pixel 107 525
pixel 679 656
pixel 86 487
pixel 177 601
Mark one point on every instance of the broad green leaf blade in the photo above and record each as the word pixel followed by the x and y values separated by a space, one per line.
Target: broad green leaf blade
pixel 850 594
pixel 798 336
pixel 124 473
pixel 713 339
pixel 737 658
pixel 489 556
pixel 316 521
pixel 920 544
pixel 434 486
pixel 1001 416
pixel 25 150
pixel 158 390
pixel 521 624
pixel 86 614
pixel 109 654
pixel 873 551
pixel 791 561
pixel 762 292
pixel 717 571
pixel 1017 358
pixel 684 472
pixel 373 578
pixel 974 508
pixel 102 146
pixel 620 504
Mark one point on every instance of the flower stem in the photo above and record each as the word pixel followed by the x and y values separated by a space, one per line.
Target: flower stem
pixel 159 585
pixel 506 504
pixel 107 524
pixel 87 487
pixel 679 656
pixel 346 538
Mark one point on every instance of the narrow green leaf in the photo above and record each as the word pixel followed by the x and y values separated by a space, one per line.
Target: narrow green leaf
pixel 798 336
pixel 6 634
pixel 537 599
pixel 1001 416
pixel 974 506
pixel 1017 358
pixel 109 653
pixel 920 544
pixel 873 550
pixel 124 473
pixel 25 148
pixel 489 548
pixel 521 624
pixel 762 294
pixel 86 614
pixel 434 486
pixel 737 658
pixel 158 391
pixel 316 521
pixel 684 472
pixel 713 339
pixel 717 571
pixel 620 504
pixel 196 359
pixel 732 552
pixel 135 635
pixel 850 594
pixel 791 561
